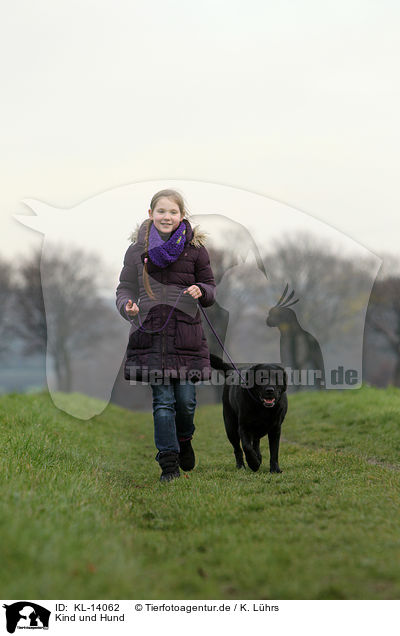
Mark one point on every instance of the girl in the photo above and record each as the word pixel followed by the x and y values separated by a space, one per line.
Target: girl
pixel 167 272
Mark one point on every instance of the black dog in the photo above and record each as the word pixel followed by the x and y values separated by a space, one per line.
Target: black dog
pixel 250 413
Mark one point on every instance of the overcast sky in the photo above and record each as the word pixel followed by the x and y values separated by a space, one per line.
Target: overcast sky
pixel 295 100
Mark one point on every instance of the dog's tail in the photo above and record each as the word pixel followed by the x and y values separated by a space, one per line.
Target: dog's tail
pixel 217 363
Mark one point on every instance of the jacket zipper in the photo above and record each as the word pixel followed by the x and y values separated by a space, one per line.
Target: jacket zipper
pixel 163 319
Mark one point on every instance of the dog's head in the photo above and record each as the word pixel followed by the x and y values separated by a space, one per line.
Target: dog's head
pixel 270 383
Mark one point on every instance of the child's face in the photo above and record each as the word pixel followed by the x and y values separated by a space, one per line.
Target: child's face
pixel 166 215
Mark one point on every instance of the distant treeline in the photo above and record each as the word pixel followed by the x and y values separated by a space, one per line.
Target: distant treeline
pixel 53 317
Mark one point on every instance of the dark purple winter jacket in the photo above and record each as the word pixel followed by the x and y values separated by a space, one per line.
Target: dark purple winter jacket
pixel 179 350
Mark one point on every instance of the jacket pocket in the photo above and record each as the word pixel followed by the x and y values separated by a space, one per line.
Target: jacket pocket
pixel 188 335
pixel 139 339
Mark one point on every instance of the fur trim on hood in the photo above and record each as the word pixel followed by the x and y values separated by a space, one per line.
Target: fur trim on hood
pixel 199 237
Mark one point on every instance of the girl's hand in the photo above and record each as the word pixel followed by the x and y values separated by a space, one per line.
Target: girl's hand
pixel 131 309
pixel 194 291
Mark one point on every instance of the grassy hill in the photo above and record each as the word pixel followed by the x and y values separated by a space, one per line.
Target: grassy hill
pixel 83 514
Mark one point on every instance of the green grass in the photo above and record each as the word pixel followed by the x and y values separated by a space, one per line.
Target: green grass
pixel 83 514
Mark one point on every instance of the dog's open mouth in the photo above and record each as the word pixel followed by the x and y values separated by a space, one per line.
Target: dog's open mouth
pixel 268 401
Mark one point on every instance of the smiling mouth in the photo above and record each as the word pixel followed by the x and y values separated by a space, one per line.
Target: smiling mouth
pixel 268 402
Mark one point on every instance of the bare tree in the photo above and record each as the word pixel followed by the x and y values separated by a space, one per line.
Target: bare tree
pixel 331 287
pixel 239 279
pixel 6 291
pixel 217 315
pixel 29 323
pixel 58 305
pixel 383 319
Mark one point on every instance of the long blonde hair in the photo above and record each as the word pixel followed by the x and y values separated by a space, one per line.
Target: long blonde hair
pixel 179 200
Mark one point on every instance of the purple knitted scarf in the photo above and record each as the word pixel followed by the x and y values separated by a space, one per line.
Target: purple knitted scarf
pixel 163 253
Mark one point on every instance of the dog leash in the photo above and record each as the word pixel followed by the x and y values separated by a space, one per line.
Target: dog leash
pixel 227 354
pixel 141 328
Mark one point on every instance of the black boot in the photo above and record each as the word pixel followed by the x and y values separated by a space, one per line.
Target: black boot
pixel 169 462
pixel 186 455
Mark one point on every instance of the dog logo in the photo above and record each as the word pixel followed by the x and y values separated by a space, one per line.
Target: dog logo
pixel 194 375
pixel 26 615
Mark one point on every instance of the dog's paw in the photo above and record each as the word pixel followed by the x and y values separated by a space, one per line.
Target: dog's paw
pixel 275 469
pixel 239 466
pixel 254 466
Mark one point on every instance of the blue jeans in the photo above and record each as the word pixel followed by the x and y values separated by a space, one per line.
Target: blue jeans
pixel 173 412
